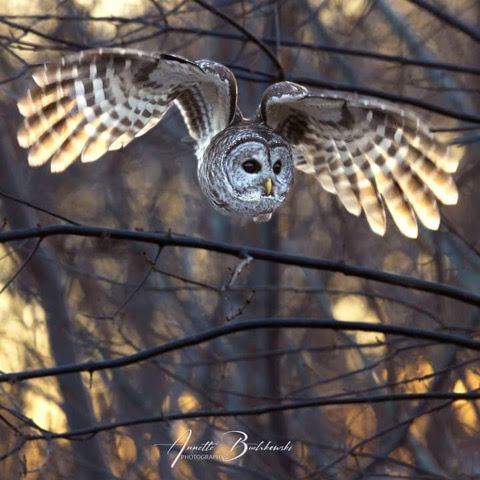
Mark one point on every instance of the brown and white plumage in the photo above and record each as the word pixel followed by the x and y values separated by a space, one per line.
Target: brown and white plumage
pixel 100 100
pixel 368 152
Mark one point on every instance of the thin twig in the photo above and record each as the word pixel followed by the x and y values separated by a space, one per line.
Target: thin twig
pixel 242 307
pixel 36 207
pixel 24 264
pixel 134 291
pixel 236 272
pixel 253 38
pixel 445 16
pixel 88 432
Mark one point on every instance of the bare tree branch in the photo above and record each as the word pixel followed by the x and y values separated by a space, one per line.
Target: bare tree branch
pixel 445 16
pixel 228 329
pixel 169 239
pixel 85 433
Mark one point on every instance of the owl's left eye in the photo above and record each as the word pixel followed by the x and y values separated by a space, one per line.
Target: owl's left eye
pixel 277 167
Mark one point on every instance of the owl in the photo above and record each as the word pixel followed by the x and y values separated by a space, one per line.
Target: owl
pixel 369 153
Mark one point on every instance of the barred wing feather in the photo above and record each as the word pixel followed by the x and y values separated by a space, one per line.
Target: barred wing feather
pixel 100 100
pixel 367 152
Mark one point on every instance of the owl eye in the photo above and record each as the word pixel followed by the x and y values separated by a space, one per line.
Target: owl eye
pixel 251 166
pixel 277 167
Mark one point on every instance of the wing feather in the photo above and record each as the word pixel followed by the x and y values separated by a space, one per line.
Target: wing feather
pixel 369 153
pixel 99 100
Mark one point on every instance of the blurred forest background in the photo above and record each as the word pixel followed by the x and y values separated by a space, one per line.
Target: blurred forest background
pixel 70 299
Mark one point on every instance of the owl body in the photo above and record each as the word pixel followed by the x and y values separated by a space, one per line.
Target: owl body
pixel 373 155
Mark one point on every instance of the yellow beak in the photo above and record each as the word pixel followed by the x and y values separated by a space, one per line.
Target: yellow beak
pixel 268 186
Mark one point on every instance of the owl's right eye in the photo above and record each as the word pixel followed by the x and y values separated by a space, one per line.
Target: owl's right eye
pixel 251 166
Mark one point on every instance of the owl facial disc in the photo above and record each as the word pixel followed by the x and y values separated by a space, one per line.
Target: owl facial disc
pixel 247 170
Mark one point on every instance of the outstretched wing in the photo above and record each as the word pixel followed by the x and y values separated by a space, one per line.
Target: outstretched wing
pixel 100 100
pixel 366 151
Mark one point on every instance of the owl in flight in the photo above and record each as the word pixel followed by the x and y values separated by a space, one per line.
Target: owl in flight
pixel 369 153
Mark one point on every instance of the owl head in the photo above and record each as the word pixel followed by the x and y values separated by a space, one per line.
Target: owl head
pixel 247 170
